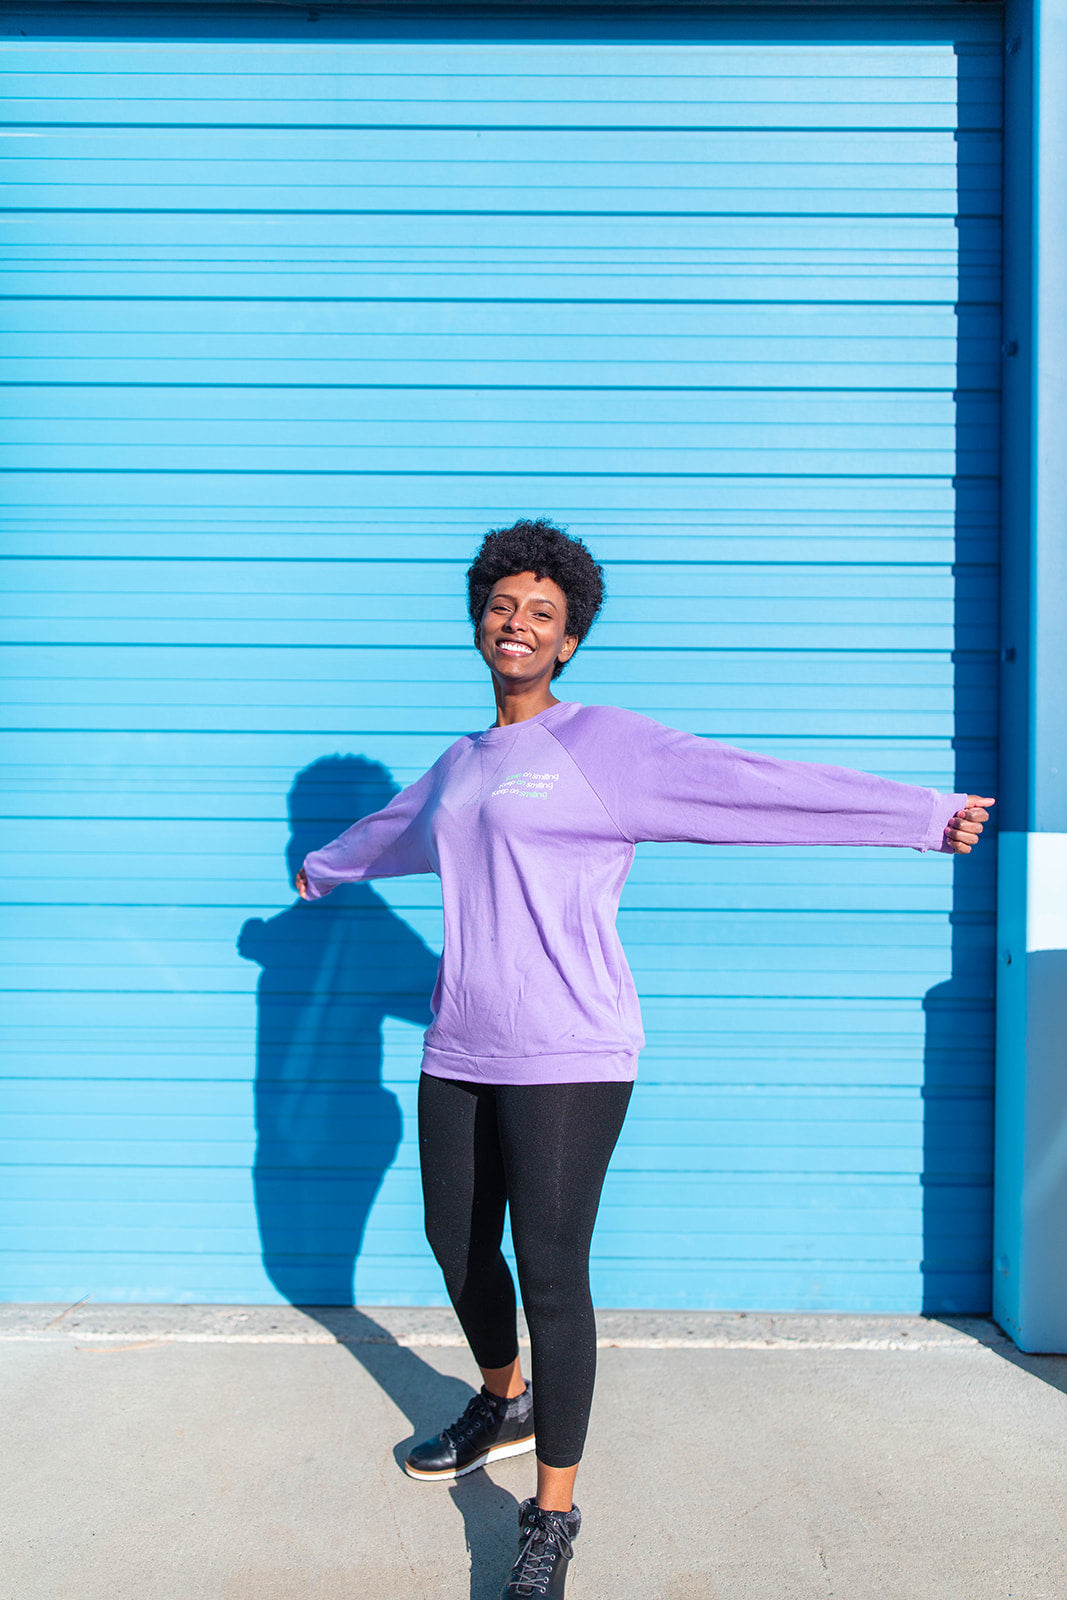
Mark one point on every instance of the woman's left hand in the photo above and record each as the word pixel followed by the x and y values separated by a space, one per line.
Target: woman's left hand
pixel 961 833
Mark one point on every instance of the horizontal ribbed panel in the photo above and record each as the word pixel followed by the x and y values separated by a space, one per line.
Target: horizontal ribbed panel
pixel 288 324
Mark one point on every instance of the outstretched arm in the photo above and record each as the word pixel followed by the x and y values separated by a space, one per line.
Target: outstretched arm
pixel 660 784
pixel 390 843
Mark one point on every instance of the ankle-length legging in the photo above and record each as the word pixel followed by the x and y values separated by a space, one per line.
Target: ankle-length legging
pixel 542 1150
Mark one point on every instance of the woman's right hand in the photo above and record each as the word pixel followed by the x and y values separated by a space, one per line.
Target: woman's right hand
pixel 302 884
pixel 962 830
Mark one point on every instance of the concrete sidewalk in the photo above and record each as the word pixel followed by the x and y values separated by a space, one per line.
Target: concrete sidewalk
pixel 252 1453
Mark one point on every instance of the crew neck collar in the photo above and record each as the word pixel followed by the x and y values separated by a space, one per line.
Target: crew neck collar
pixel 495 735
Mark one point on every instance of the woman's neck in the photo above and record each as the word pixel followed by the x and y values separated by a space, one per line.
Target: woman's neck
pixel 522 705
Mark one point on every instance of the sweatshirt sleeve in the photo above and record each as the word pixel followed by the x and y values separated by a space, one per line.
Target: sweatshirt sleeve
pixel 660 784
pixel 391 843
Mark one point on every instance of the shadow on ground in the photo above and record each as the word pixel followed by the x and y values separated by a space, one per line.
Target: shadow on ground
pixel 429 1399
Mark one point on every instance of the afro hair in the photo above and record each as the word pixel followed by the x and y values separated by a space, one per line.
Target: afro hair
pixel 548 552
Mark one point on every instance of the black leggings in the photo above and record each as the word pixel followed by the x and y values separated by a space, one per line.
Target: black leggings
pixel 543 1150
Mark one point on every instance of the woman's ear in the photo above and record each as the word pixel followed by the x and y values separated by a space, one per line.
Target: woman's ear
pixel 570 645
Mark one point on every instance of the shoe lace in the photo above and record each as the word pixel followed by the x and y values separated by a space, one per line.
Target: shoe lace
pixel 475 1417
pixel 543 1542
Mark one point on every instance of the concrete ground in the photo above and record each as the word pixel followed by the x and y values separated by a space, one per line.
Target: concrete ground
pixel 252 1453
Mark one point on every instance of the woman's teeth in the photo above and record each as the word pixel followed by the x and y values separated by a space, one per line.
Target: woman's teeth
pixel 515 649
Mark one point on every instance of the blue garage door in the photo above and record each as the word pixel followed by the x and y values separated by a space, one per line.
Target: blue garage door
pixel 296 308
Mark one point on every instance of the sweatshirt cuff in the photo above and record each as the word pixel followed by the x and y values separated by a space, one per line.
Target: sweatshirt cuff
pixel 314 891
pixel 944 808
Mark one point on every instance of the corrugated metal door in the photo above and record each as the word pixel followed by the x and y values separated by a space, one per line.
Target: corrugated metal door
pixel 296 309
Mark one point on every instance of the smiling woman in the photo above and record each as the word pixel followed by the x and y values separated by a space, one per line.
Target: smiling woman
pixel 530 1059
pixel 540 616
pixel 524 624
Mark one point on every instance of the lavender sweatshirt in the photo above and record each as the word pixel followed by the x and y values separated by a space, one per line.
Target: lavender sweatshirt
pixel 531 829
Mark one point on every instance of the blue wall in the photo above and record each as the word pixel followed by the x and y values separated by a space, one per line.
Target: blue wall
pixel 298 310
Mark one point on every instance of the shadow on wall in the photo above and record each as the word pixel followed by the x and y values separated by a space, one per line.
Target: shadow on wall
pixel 958 1065
pixel 327 1130
pixel 958 1121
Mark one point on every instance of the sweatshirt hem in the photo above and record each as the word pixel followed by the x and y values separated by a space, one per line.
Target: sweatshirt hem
pixel 618 1066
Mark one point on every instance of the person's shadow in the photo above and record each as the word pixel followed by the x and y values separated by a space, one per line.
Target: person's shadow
pixel 332 972
pixel 328 1130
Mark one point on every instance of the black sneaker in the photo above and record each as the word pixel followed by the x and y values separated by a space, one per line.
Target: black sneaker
pixel 545 1550
pixel 485 1432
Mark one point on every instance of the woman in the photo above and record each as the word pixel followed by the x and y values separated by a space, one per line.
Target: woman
pixel 530 1060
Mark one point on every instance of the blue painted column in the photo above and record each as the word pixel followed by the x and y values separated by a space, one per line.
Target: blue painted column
pixel 1030 1228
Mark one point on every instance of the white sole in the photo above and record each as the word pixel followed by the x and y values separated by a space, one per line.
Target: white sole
pixel 499 1452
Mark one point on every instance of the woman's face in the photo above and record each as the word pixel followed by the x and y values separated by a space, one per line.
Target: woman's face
pixel 523 631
